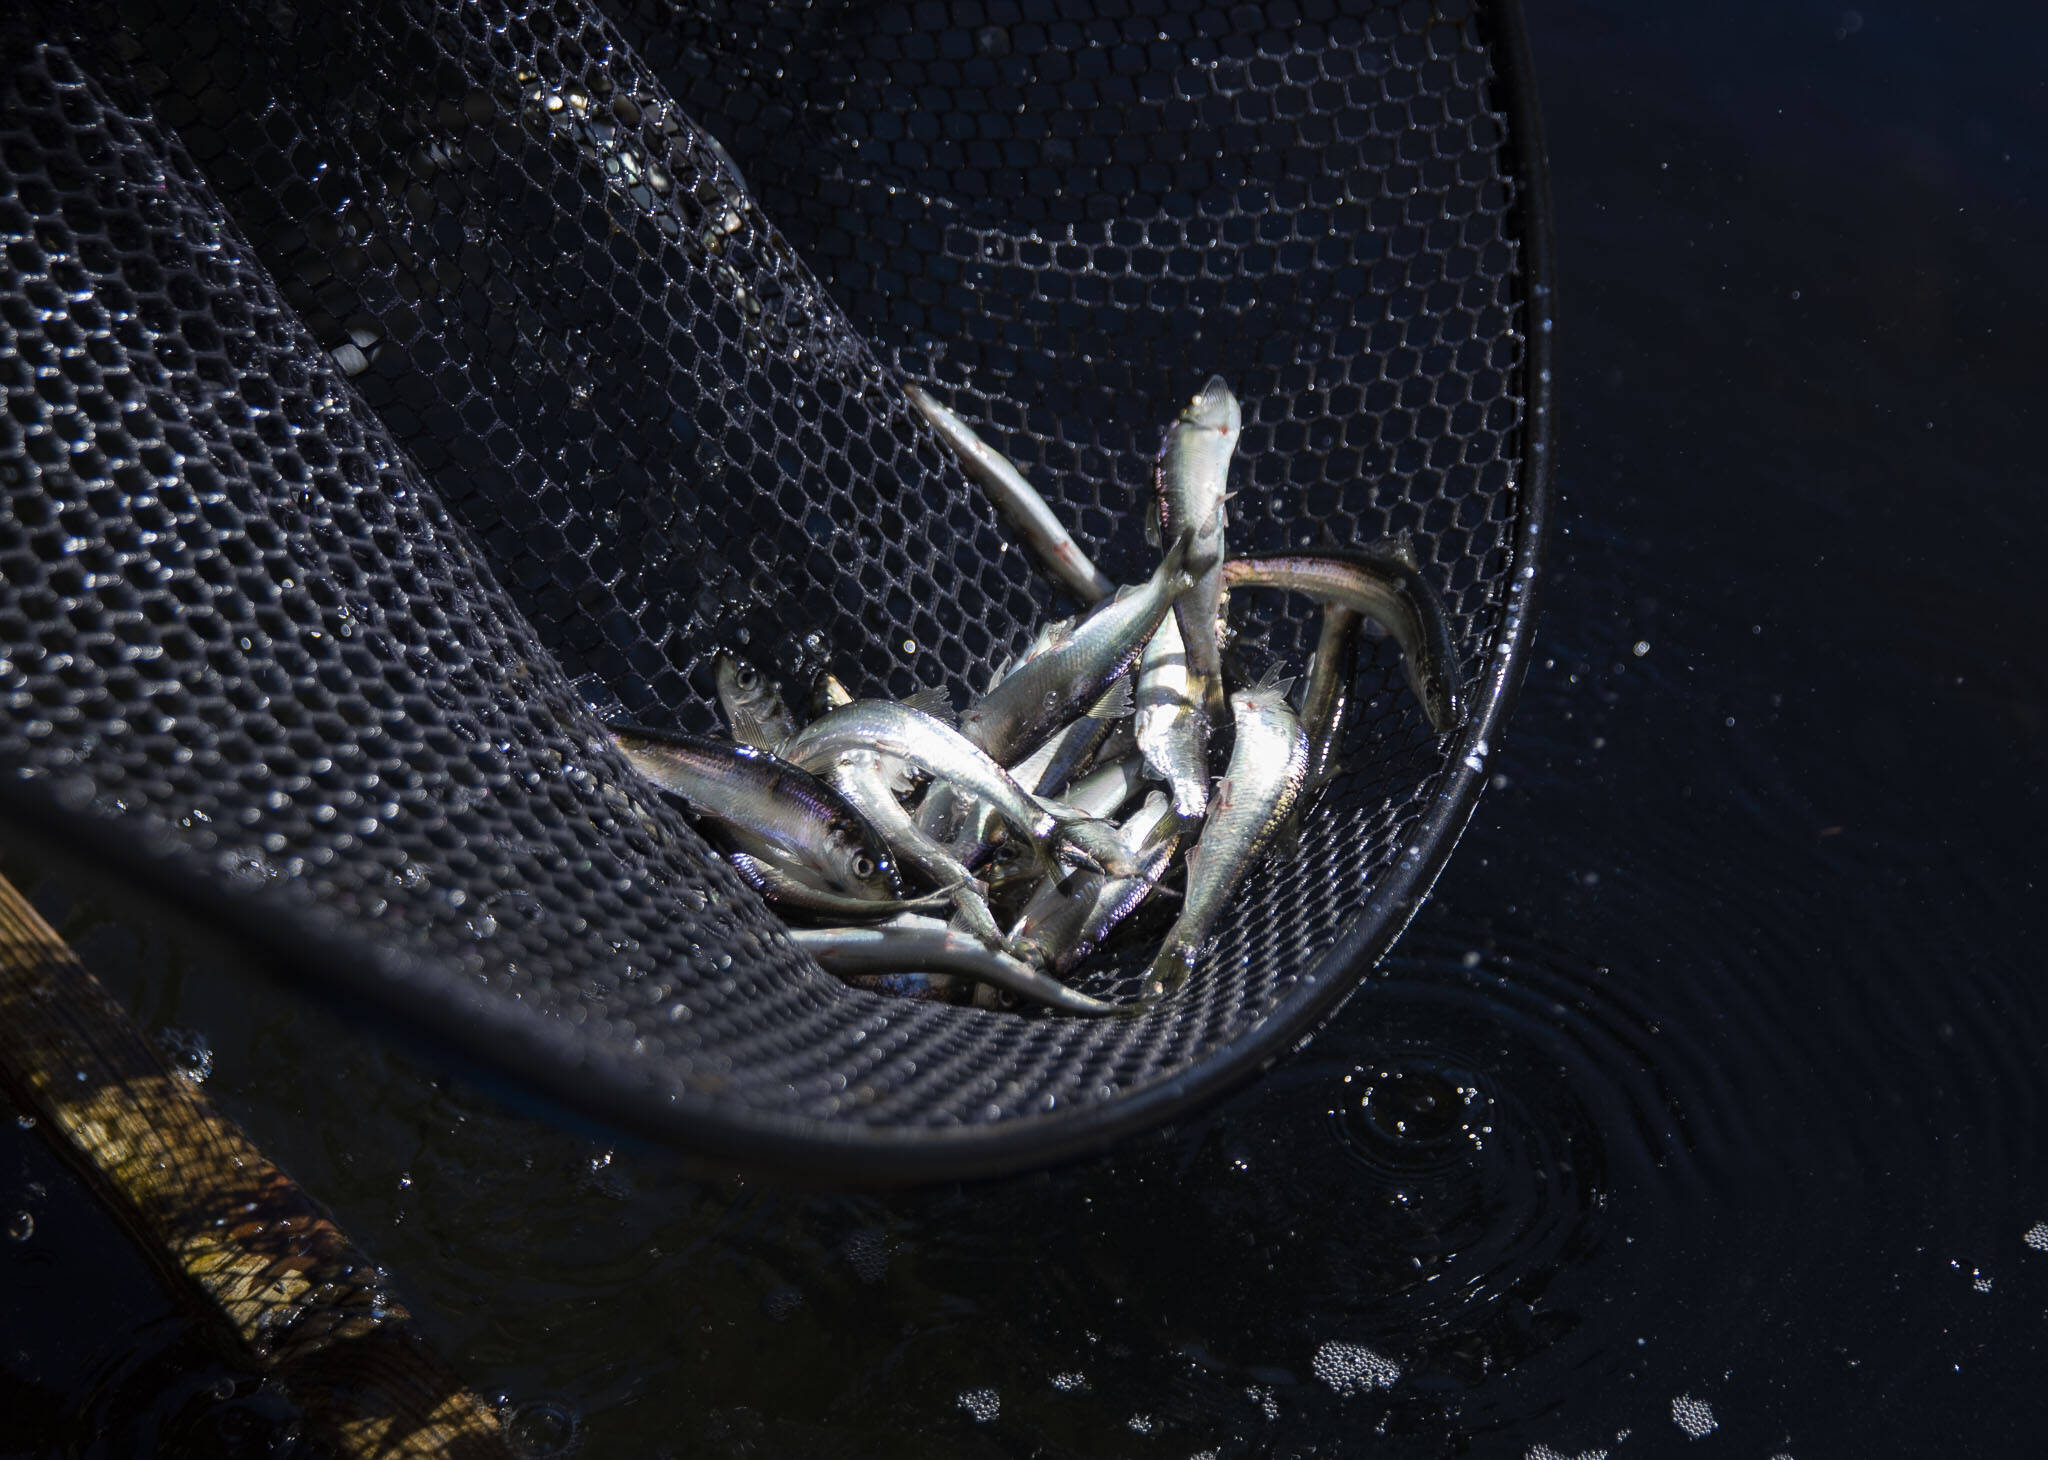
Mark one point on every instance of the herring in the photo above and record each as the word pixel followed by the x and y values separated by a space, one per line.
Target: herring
pixel 864 778
pixel 1018 501
pixel 769 811
pixel 1327 699
pixel 1386 586
pixel 1173 719
pixel 1075 669
pixel 753 705
pixel 1064 923
pixel 1251 802
pixel 917 949
pixel 1191 484
pixel 901 733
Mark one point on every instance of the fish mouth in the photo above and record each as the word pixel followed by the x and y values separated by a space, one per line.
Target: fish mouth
pixel 1215 409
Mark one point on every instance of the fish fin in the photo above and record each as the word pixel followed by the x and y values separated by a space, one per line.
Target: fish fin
pixel 1175 563
pixel 1273 682
pixel 933 701
pixel 828 694
pixel 1152 527
pixel 1401 546
pixel 1116 701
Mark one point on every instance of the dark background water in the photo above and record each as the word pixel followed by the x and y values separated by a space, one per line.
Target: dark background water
pixel 1709 1088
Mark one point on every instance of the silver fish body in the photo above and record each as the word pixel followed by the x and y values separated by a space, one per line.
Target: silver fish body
pixel 768 809
pixel 1173 719
pixel 863 778
pixel 753 705
pixel 774 881
pixel 1388 588
pixel 1104 790
pixel 1326 701
pixel 972 829
pixel 938 950
pixel 1251 802
pixel 1018 501
pixel 1064 923
pixel 898 732
pixel 1072 673
pixel 1192 484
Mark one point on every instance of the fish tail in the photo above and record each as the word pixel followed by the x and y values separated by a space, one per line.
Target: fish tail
pixel 1169 972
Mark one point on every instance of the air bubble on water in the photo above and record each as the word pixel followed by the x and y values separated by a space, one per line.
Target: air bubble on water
pixel 1642 647
pixel 982 1404
pixel 2037 1237
pixel 1694 1416
pixel 1979 1281
pixel 1069 1380
pixel 1351 1368
pixel 1544 1452
pixel 910 646
pixel 1139 1424
pixel 188 1052
pixel 21 1226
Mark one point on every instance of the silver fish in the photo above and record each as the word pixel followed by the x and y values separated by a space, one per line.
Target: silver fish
pixel 1105 789
pixel 938 950
pixel 1073 672
pixel 1253 799
pixel 1386 586
pixel 753 705
pixel 1063 924
pixel 1099 794
pixel 974 829
pixel 768 810
pixel 901 733
pixel 1191 484
pixel 1173 719
pixel 774 882
pixel 863 777
pixel 1326 701
pixel 1015 498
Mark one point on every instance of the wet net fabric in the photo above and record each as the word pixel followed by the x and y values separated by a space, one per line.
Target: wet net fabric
pixel 394 390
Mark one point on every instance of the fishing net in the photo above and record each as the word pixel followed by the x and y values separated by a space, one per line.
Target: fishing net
pixel 395 390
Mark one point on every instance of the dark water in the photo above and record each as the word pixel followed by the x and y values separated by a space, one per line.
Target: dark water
pixel 1709 1091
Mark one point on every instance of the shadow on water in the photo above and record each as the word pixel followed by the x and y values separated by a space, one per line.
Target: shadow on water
pixel 1704 1099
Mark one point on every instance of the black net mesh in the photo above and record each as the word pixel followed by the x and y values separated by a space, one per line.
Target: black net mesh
pixel 395 388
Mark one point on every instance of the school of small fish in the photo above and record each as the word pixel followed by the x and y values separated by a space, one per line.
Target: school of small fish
pixel 982 854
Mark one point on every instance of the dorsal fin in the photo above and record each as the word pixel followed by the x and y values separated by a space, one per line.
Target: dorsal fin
pixel 1273 682
pixel 933 701
pixel 1116 701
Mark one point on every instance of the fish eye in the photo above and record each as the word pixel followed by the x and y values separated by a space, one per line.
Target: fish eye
pixel 863 866
pixel 746 678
